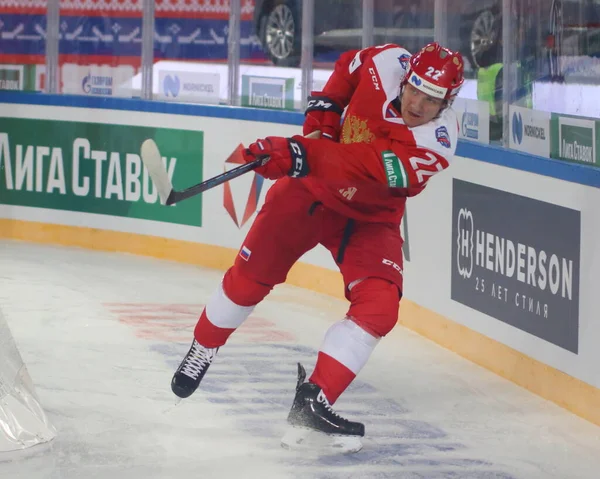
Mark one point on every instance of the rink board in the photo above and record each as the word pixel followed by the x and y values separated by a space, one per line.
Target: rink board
pixel 501 262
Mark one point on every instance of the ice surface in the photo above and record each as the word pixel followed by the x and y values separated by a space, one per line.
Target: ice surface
pixel 102 333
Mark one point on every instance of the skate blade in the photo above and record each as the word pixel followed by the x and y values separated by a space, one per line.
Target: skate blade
pixel 306 439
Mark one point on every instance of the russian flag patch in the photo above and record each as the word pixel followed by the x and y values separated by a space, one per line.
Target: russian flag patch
pixel 245 253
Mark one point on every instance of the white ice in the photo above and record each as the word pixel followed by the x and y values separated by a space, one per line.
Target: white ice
pixel 102 333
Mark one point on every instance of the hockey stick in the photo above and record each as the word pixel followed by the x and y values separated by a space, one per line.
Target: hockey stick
pixel 168 195
pixel 152 159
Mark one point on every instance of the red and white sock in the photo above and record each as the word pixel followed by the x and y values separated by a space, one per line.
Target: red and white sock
pixel 345 350
pixel 220 318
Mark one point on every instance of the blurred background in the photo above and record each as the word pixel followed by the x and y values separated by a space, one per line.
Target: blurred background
pixel 526 60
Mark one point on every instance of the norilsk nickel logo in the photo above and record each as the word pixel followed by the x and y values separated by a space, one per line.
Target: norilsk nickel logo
pixel 171 85
pixel 516 259
pixel 517 128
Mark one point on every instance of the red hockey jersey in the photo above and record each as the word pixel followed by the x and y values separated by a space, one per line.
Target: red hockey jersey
pixel 379 160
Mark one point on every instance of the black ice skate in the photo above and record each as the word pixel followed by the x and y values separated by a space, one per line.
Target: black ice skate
pixel 313 420
pixel 192 369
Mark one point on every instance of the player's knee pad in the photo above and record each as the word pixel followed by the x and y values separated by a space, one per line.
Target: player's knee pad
pixel 242 290
pixel 374 305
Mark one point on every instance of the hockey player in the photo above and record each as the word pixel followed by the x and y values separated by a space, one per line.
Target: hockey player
pixel 346 191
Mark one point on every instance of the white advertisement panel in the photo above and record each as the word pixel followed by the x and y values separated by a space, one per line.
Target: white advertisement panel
pixel 320 76
pixel 473 119
pixel 97 80
pixel 529 130
pixel 189 87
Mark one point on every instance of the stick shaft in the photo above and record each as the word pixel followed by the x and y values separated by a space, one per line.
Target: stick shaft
pixel 152 160
pixel 176 196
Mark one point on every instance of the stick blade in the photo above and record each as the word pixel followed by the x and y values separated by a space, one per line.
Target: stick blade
pixel 152 159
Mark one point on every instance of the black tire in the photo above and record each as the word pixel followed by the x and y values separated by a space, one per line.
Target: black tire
pixel 280 33
pixel 485 39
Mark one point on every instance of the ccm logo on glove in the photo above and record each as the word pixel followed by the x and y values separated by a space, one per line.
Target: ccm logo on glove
pixel 319 105
pixel 322 103
pixel 300 167
pixel 282 156
pixel 323 114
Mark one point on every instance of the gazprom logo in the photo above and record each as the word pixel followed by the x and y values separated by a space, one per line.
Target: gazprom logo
pixel 464 242
pixel 415 80
pixel 470 125
pixel 517 128
pixel 171 85
pixel 86 85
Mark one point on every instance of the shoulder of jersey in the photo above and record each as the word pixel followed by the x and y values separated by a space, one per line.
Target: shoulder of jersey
pixel 440 135
pixel 392 57
pixel 387 55
pixel 391 51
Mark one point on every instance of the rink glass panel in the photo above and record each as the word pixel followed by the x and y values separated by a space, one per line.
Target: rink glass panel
pixel 23 52
pixel 99 47
pixel 552 63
